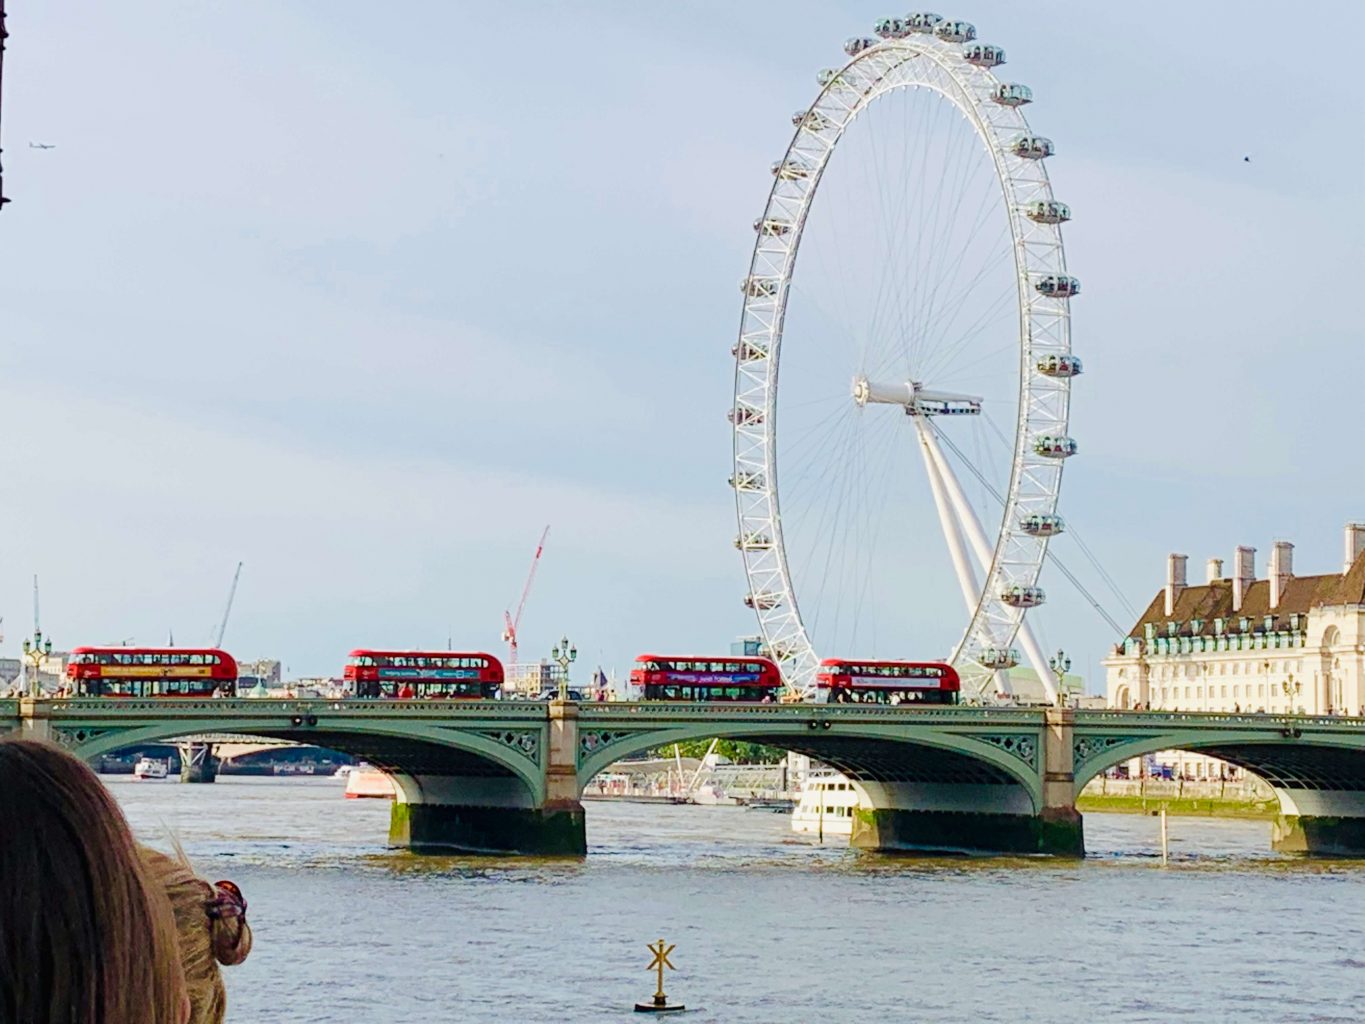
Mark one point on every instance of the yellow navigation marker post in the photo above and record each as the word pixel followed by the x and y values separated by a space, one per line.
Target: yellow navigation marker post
pixel 660 1003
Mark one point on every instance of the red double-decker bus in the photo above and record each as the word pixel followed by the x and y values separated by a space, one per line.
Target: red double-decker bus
pixel 151 672
pixel 424 674
pixel 669 677
pixel 841 681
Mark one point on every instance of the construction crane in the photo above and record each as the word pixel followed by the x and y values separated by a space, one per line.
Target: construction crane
pixel 3 35
pixel 510 621
pixel 232 593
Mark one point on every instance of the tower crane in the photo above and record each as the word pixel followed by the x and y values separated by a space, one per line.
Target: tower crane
pixel 510 621
pixel 232 593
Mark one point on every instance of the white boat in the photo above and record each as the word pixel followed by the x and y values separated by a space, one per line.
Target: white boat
pixel 367 781
pixel 343 772
pixel 150 768
pixel 826 805
pixel 293 769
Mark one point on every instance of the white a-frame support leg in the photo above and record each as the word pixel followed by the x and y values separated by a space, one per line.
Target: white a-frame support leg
pixel 971 589
pixel 984 551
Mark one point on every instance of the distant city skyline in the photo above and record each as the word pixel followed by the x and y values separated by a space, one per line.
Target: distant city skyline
pixel 365 302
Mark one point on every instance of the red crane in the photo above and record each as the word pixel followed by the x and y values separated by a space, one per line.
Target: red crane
pixel 511 622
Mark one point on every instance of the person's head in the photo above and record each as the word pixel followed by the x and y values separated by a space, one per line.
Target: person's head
pixel 85 936
pixel 211 921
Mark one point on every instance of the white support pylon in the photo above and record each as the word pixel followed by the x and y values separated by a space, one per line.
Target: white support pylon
pixel 1033 651
pixel 971 589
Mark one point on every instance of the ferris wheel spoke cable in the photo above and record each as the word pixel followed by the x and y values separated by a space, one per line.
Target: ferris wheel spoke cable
pixel 915 258
pixel 939 269
pixel 1089 555
pixel 1051 555
pixel 873 522
pixel 984 319
pixel 837 497
pixel 933 325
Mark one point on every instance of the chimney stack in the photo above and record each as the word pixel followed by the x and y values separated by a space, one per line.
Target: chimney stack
pixel 1281 569
pixel 1213 570
pixel 1175 581
pixel 1355 544
pixel 1243 574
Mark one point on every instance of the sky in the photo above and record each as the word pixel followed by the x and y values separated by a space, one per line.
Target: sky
pixel 365 297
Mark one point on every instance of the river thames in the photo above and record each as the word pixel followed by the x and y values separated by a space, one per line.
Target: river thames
pixel 768 928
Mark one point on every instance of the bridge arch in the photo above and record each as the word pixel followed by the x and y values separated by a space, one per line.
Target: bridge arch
pixel 1293 761
pixel 875 755
pixel 416 754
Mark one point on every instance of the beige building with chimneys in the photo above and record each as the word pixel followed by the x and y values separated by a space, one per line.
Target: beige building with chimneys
pixel 1238 643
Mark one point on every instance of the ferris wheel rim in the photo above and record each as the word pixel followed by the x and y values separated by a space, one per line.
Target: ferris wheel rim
pixel 1043 400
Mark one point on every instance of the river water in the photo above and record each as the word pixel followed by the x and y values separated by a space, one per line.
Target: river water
pixel 768 927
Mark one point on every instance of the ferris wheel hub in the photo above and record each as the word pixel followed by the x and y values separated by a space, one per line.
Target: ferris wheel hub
pixel 915 398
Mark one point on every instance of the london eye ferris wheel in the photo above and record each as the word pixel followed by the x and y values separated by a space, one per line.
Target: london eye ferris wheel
pixel 918 311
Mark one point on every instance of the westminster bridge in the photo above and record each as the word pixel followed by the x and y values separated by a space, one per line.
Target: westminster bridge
pixel 508 776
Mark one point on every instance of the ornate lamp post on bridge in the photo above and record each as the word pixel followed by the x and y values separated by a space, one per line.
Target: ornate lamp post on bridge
pixel 564 654
pixel 1060 665
pixel 36 651
pixel 1291 690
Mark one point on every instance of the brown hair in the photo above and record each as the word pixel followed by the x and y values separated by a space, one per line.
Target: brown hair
pixel 211 920
pixel 85 936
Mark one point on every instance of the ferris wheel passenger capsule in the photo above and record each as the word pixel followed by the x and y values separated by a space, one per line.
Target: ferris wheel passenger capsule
pixel 1057 286
pixel 924 22
pixel 858 44
pixel 744 415
pixel 1054 446
pixel 760 287
pixel 1060 366
pixel 772 227
pixel 748 481
pixel 955 31
pixel 1012 94
pixel 891 28
pixel 1048 211
pixel 826 75
pixel 1042 525
pixel 1032 147
pixel 811 120
pixel 747 351
pixel 983 55
pixel 791 169
pixel 997 657
pixel 754 542
pixel 1023 597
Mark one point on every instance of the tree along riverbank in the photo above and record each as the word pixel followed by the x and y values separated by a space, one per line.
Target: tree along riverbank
pixel 1213 798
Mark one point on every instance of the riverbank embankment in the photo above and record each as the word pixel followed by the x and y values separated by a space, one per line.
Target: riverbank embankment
pixel 1204 798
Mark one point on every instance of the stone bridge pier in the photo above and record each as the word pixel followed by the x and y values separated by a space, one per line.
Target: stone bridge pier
pixel 955 803
pixel 485 811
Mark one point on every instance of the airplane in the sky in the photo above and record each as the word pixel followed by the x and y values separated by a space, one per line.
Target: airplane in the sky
pixel 42 145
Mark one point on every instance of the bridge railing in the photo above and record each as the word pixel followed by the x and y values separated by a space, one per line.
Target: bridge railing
pixel 1216 718
pixel 270 707
pixel 804 712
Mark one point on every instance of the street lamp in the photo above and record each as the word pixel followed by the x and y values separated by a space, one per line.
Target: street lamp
pixel 1291 690
pixel 563 654
pixel 1061 665
pixel 36 651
